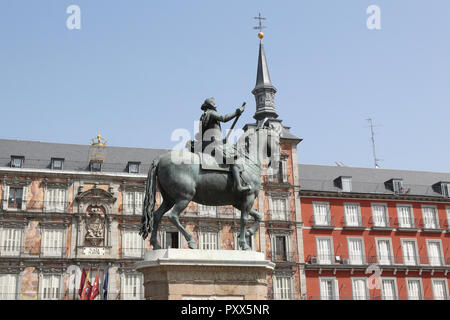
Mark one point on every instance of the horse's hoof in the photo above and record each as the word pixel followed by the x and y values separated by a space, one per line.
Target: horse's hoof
pixel 249 233
pixel 244 246
pixel 156 246
pixel 192 244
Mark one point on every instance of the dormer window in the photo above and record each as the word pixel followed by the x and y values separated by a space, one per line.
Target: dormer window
pixel 445 189
pixel 133 167
pixel 344 183
pixel 397 185
pixel 17 161
pixel 96 166
pixel 57 164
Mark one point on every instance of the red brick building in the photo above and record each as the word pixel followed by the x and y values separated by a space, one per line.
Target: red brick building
pixel 360 225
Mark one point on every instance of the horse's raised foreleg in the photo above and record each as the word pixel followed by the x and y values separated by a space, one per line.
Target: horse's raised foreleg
pixel 174 218
pixel 157 215
pixel 258 217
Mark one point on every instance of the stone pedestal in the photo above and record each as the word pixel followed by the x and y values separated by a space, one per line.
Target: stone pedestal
pixel 181 274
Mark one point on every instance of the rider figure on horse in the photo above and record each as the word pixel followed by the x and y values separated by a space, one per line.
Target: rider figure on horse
pixel 211 134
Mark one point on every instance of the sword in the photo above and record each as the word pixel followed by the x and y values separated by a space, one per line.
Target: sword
pixel 232 126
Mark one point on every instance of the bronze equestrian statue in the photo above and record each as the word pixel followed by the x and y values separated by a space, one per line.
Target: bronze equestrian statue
pixel 182 179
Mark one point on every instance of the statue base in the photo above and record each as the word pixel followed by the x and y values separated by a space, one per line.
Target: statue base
pixel 185 274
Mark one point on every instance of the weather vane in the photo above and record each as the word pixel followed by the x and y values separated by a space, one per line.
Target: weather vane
pixel 260 26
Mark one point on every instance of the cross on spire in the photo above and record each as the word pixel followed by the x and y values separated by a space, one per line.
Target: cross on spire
pixel 260 26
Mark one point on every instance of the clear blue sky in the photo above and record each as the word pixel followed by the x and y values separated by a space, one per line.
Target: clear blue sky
pixel 137 70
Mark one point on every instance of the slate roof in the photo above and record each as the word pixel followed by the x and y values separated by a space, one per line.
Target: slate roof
pixel 370 180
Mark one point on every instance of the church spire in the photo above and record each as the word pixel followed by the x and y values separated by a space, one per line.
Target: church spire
pixel 264 91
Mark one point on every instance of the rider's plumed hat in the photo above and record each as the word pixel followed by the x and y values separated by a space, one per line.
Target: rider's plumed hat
pixel 209 104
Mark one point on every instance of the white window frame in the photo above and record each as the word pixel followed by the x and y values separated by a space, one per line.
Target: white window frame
pixel 46 251
pixel 386 214
pixel 287 239
pixel 6 197
pixel 163 237
pixel 416 251
pixel 363 251
pixel 207 211
pixel 41 285
pixel 367 296
pixel 132 207
pixel 346 183
pixel 391 257
pixel 276 213
pixel 328 216
pixel 9 295
pixel 3 231
pixel 411 215
pixel 132 252
pixel 436 217
pixel 383 295
pixel 441 252
pixel 447 209
pixel 288 292
pixel 335 287
pixel 346 213
pixel 201 243
pixel 445 188
pixel 53 205
pixel 445 280
pixel 125 295
pixel 421 288
pixel 284 170
pixel 331 253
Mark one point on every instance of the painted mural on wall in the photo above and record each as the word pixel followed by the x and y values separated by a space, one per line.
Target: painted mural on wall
pixel 29 284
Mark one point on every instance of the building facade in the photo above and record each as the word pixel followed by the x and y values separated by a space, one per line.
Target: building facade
pixel 375 233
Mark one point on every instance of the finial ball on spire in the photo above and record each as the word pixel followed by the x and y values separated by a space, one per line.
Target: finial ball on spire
pixel 260 35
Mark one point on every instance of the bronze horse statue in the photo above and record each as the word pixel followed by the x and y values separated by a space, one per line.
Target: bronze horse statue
pixel 181 179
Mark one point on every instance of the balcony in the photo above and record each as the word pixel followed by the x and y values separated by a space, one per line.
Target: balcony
pixel 281 257
pixel 409 225
pixel 275 179
pixel 33 252
pixel 354 224
pixel 283 295
pixel 280 216
pixel 432 226
pixel 37 206
pixel 386 225
pixel 324 222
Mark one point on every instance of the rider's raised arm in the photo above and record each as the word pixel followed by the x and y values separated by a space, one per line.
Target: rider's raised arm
pixel 223 118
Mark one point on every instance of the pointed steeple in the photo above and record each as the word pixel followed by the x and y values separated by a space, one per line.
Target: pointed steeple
pixel 264 91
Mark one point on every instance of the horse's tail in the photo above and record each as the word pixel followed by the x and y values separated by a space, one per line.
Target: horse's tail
pixel 149 201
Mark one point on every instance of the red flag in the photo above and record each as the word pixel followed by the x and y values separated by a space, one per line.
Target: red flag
pixel 86 288
pixel 83 278
pixel 95 287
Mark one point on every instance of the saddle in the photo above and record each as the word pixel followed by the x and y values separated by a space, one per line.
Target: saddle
pixel 208 162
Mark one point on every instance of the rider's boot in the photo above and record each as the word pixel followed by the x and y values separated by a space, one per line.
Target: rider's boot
pixel 237 180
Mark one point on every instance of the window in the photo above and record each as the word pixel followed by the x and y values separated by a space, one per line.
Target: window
pixel 405 217
pixel 324 251
pixel 430 220
pixel 352 214
pixel 434 253
pixel 133 202
pixel 409 252
pixel 279 209
pixel 284 170
pixel 15 198
pixel 207 211
pixel 209 240
pixel 445 187
pixel 8 286
pixel 132 287
pixel 388 289
pixel 50 287
pixel 283 288
pixel 321 213
pixel 52 243
pixel 17 161
pixel 171 240
pixel 384 251
pixel 397 185
pixel 448 217
pixel 359 289
pixel 132 244
pixel 346 184
pixel 440 289
pixel 55 200
pixel 328 289
pixel 57 164
pixel 279 248
pixel 133 167
pixel 11 241
pixel 380 215
pixel 356 251
pixel 96 166
pixel 250 241
pixel 414 288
